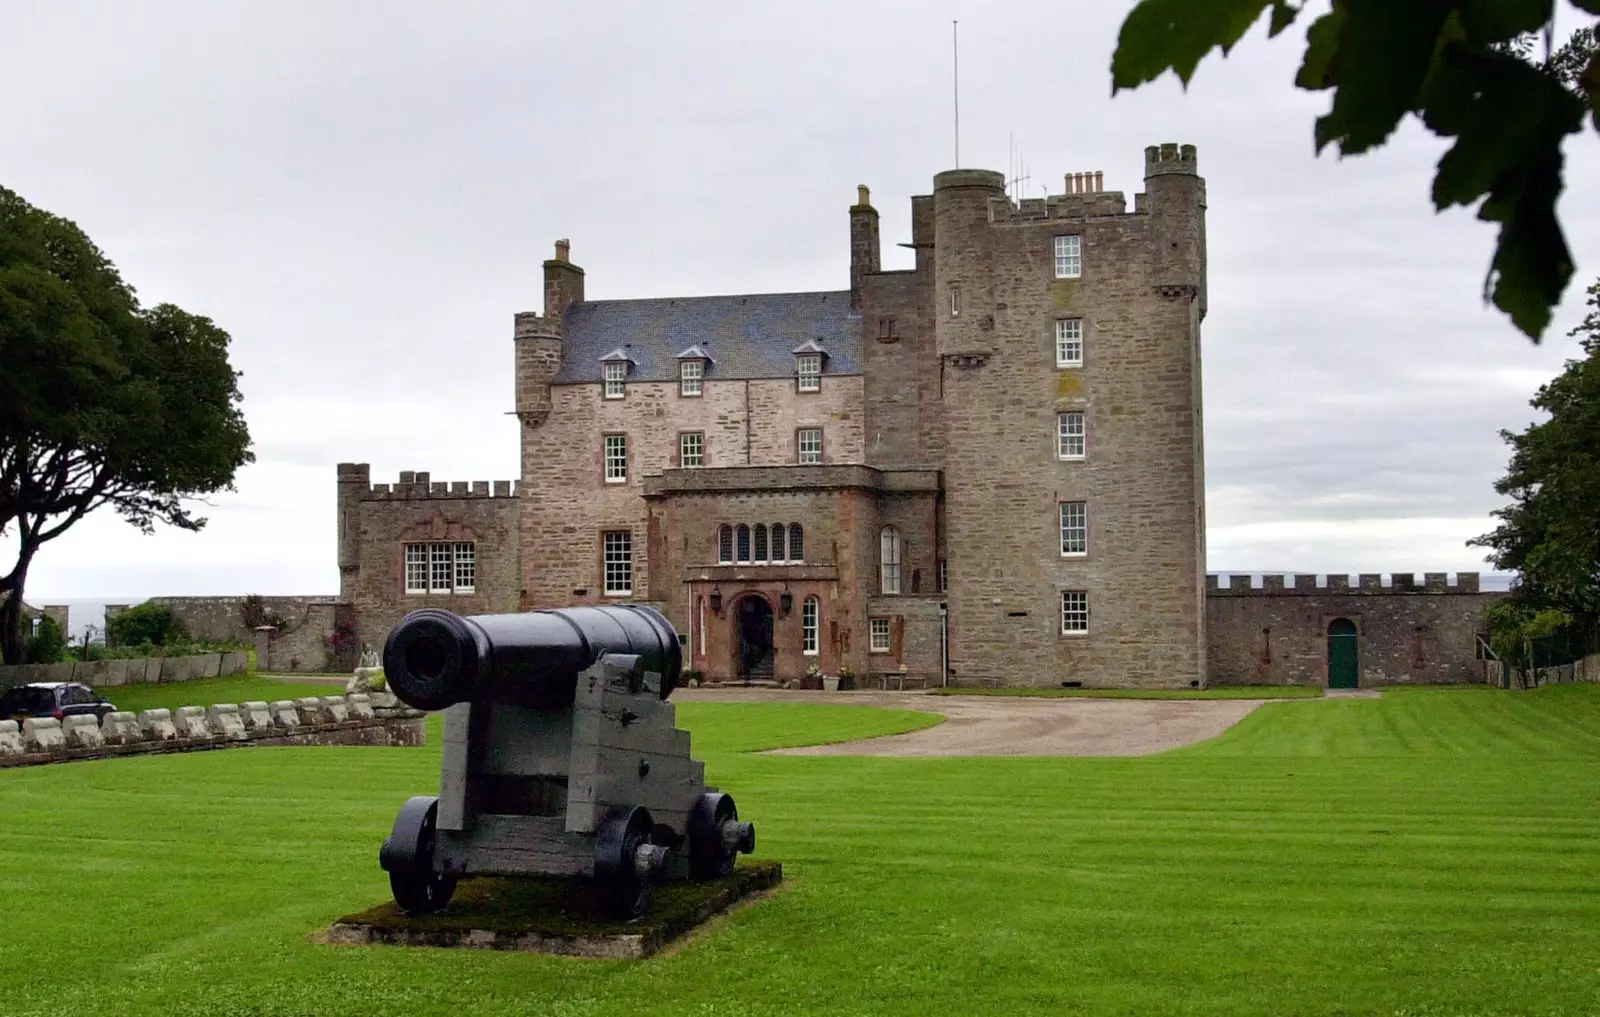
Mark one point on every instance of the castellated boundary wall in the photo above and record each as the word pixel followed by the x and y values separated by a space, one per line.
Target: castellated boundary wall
pixel 1408 633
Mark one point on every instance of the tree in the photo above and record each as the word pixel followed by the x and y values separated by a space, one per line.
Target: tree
pixel 102 402
pixel 46 643
pixel 1550 533
pixel 147 623
pixel 1466 68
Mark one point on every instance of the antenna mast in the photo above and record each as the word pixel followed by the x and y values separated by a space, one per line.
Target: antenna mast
pixel 955 67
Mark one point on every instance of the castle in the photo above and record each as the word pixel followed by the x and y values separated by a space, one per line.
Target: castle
pixel 985 469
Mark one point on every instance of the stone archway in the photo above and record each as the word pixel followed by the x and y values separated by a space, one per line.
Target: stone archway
pixel 753 649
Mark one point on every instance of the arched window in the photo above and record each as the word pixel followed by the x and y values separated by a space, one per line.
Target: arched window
pixel 797 543
pixel 744 544
pixel 725 545
pixel 810 613
pixel 780 544
pixel 889 559
pixel 761 542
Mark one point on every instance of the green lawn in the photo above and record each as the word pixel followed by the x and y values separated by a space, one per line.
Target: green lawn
pixel 205 691
pixel 1214 692
pixel 1426 854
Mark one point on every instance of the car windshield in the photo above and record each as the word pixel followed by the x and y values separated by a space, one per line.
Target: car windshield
pixel 27 700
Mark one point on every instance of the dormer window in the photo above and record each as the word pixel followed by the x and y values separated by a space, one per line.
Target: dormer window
pixel 808 369
pixel 692 364
pixel 614 373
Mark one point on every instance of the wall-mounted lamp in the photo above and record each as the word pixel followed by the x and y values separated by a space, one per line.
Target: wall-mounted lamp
pixel 786 601
pixel 716 602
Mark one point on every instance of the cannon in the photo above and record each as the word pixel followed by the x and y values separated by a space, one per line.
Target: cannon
pixel 561 757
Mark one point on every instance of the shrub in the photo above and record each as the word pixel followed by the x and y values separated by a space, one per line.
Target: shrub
pixel 253 612
pixel 147 623
pixel 46 644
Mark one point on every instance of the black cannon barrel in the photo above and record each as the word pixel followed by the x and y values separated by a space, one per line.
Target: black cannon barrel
pixel 435 658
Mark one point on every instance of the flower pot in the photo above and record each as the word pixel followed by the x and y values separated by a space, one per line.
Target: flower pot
pixel 830 683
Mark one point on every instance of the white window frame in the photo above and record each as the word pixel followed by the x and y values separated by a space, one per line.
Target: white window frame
pixel 701 608
pixel 617 550
pixel 441 568
pixel 686 439
pixel 808 372
pixel 725 546
pixel 615 376
pixel 1069 256
pixel 955 301
pixel 797 540
pixel 616 457
pixel 804 454
pixel 944 574
pixel 1072 440
pixel 880 636
pixel 1069 342
pixel 760 550
pixel 810 625
pixel 416 568
pixel 1074 613
pixel 691 374
pixel 889 561
pixel 1074 529
pixel 466 567
pixel 741 544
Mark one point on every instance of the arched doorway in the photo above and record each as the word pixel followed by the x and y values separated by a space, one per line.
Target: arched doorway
pixel 1344 670
pixel 754 650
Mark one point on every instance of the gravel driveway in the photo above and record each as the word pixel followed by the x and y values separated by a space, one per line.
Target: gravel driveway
pixel 1014 725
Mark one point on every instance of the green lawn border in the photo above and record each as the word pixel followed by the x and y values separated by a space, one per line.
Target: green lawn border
pixel 1214 692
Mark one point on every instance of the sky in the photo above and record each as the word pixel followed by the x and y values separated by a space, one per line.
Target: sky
pixel 362 195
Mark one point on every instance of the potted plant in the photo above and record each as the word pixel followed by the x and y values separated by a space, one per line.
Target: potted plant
pixel 845 682
pixel 813 677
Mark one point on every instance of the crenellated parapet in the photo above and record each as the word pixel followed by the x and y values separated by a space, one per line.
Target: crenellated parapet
pixel 1367 584
pixel 416 485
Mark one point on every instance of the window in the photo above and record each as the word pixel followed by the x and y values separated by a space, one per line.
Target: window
pixel 1074 612
pixel 889 560
pixel 1069 257
pixel 466 568
pixel 780 546
pixel 725 545
pixel 879 641
pixel 744 544
pixel 690 373
pixel 616 459
pixel 1069 342
pixel 1069 435
pixel 955 301
pixel 809 441
pixel 885 327
pixel 761 542
pixel 808 371
pixel 1074 528
pixel 797 543
pixel 441 568
pixel 943 574
pixel 616 376
pixel 691 450
pixel 618 562
pixel 809 612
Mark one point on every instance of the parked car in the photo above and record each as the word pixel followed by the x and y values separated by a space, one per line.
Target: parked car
pixel 52 699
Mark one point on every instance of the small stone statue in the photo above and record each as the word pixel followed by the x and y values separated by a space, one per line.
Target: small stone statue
pixel 368 675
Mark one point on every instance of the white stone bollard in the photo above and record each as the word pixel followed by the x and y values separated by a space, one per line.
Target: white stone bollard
pixel 191 722
pixel 10 739
pixel 359 705
pixel 285 717
pixel 157 725
pixel 257 716
pixel 224 719
pixel 335 708
pixel 311 712
pixel 42 734
pixel 82 731
pixel 121 728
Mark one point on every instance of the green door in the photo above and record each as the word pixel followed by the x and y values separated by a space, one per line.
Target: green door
pixel 1342 665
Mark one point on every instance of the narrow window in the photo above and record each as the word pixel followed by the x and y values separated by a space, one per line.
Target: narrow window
pixel 619 562
pixel 761 542
pixel 943 574
pixel 955 301
pixel 879 641
pixel 701 606
pixel 1069 435
pixel 797 543
pixel 1069 342
pixel 466 568
pixel 889 560
pixel 1074 612
pixel 691 450
pixel 744 544
pixel 885 327
pixel 690 373
pixel 443 568
pixel 780 546
pixel 416 568
pixel 725 545
pixel 616 459
pixel 809 612
pixel 1074 528
pixel 809 442
pixel 616 376
pixel 1069 257
pixel 808 372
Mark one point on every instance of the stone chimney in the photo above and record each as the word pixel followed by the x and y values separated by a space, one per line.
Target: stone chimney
pixel 563 281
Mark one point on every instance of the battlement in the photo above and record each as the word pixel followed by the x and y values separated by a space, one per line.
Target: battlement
pixel 533 325
pixel 1161 160
pixel 1367 584
pixel 418 484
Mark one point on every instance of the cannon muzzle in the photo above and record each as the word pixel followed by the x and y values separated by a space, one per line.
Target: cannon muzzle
pixel 434 659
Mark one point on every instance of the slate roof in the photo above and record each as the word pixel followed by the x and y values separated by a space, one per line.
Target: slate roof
pixel 748 336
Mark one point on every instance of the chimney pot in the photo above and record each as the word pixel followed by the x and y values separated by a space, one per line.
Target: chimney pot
pixel 563 250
